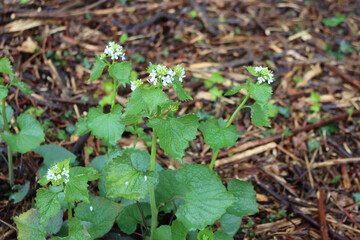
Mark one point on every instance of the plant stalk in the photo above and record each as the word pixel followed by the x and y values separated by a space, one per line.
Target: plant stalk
pixel 69 211
pixel 241 106
pixel 154 210
pixel 10 157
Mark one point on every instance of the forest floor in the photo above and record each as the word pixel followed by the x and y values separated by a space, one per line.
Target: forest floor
pixel 305 168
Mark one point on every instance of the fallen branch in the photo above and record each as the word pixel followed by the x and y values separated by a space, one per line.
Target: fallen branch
pixel 335 162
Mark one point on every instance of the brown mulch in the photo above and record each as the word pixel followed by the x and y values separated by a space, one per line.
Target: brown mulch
pixel 302 193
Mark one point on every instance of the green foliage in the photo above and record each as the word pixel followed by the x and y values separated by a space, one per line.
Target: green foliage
pixel 285 111
pixel 220 235
pixel 312 144
pixel 216 77
pixel 356 197
pixel 77 231
pixel 124 180
pixel 21 191
pixel 30 226
pixel 193 13
pixel 175 133
pixel 121 72
pixel 47 202
pixel 100 212
pixel 3 91
pixel 30 136
pixel 215 93
pixel 130 216
pixel 206 234
pixel 55 223
pixel 234 90
pixel 98 68
pixel 144 102
pixel 334 21
pixel 182 94
pixel 259 114
pixel 206 199
pixel 106 126
pixel 9 113
pixel 167 189
pixel 217 135
pixel 53 154
pixel 245 198
pixel 261 93
pixel 22 86
pixel 5 67
pixel 230 224
pixel 124 38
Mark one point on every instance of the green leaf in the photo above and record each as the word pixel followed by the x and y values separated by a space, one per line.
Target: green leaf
pixel 140 159
pixel 81 127
pixel 356 197
pixel 22 86
pixel 177 231
pixel 145 99
pixel 230 224
pixel 9 113
pixel 3 92
pixel 252 71
pixel 206 199
pixel 30 136
pixel 53 154
pixel 215 78
pixel 98 162
pixel 120 71
pixel 217 135
pixel 100 212
pixel 167 189
pixel 106 126
pixel 245 198
pixel 259 114
pixel 206 234
pixel 124 37
pixel 234 90
pixel 90 173
pixel 98 68
pixel 163 233
pixel 130 216
pixel 315 107
pixel 124 180
pixel 285 111
pixel 334 21
pixel 55 223
pixel 77 231
pixel 22 190
pixel 30 226
pixel 261 93
pixel 182 94
pixel 5 67
pixel 220 235
pixel 175 133
pixel 312 144
pixel 215 93
pixel 314 97
pixel 345 47
pixel 47 202
pixel 76 189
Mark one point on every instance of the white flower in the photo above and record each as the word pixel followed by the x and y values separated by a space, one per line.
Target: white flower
pixel 259 68
pixel 91 208
pixel 167 80
pixel 153 80
pixel 145 178
pixel 132 86
pixel 114 51
pixel 261 79
pixel 171 72
pixel 182 76
pixel 126 183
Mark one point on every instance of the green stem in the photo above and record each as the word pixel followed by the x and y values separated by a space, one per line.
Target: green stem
pixel 241 106
pixel 154 210
pixel 69 211
pixel 114 95
pixel 135 135
pixel 10 157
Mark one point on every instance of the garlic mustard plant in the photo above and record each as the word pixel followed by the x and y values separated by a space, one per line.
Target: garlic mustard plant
pixel 194 193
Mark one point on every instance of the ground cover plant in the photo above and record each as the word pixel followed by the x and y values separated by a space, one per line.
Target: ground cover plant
pixel 101 162
pixel 193 193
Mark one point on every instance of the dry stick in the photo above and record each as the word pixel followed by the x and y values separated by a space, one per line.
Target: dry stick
pixel 322 217
pixel 346 212
pixel 347 78
pixel 335 162
pixel 277 137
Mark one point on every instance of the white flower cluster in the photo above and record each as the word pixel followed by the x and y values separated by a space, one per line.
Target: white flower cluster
pixel 166 75
pixel 53 174
pixel 266 74
pixel 114 51
pixel 135 84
